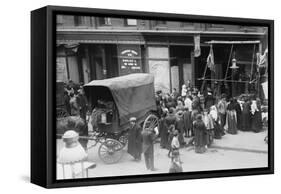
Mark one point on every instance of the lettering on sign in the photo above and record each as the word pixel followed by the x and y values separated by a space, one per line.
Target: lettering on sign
pixel 129 60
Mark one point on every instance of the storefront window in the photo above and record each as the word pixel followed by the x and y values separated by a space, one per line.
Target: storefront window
pixel 60 20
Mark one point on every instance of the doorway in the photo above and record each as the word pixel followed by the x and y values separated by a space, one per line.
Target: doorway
pixel 181 67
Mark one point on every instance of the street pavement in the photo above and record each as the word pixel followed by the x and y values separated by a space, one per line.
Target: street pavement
pixel 244 150
pixel 243 141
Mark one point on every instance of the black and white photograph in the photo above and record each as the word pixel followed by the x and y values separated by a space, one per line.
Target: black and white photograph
pixel 138 96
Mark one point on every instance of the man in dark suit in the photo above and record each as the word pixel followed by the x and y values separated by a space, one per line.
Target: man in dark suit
pixel 148 137
pixel 82 103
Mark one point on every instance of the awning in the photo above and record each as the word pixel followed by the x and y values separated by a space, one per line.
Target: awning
pixel 232 42
pixel 98 38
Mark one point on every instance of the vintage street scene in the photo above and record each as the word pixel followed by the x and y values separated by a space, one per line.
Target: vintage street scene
pixel 139 96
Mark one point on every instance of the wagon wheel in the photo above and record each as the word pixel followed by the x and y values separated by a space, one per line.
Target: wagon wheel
pixel 110 151
pixel 151 122
pixel 61 113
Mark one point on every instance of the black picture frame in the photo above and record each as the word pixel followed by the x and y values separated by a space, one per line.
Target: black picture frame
pixel 43 84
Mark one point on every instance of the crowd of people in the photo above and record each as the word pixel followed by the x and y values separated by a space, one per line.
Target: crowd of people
pixel 204 117
pixel 75 101
pixel 191 118
pixel 186 118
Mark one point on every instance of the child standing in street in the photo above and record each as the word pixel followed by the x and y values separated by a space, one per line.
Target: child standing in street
pixel 209 126
pixel 175 159
pixel 171 132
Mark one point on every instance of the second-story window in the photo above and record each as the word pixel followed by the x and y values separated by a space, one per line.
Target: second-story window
pixel 105 21
pixel 214 26
pixel 130 22
pixel 187 24
pixel 80 20
pixel 60 20
pixel 160 23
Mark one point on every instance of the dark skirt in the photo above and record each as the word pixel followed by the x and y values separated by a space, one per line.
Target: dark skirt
pixel 163 134
pixel 231 122
pixel 217 131
pixel 222 118
pixel 200 137
pixel 245 121
pixel 256 122
pixel 239 125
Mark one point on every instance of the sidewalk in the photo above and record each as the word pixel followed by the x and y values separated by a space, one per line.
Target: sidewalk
pixel 243 141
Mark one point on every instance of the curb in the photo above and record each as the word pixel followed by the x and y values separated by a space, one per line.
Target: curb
pixel 240 149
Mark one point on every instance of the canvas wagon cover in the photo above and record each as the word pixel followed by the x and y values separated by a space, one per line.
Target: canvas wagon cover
pixel 133 94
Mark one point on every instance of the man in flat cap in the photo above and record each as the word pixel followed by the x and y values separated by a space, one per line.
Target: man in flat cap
pixel 135 140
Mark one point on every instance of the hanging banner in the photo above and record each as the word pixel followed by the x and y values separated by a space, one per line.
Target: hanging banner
pixel 262 59
pixel 129 59
pixel 265 89
pixel 211 60
pixel 197 50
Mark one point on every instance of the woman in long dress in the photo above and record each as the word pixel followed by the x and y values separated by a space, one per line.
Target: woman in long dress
pixel 231 119
pixel 256 124
pixel 245 116
pixel 200 134
pixel 163 129
pixel 238 113
pixel 187 122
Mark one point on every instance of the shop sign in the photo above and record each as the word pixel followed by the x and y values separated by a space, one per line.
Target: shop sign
pixel 129 60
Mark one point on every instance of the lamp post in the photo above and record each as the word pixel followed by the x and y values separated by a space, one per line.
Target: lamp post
pixel 234 68
pixel 234 65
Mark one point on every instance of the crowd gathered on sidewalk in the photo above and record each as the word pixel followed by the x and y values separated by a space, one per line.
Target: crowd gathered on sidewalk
pixel 205 116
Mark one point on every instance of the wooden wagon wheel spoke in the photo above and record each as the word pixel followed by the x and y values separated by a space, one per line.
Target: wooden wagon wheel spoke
pixel 153 124
pixel 150 122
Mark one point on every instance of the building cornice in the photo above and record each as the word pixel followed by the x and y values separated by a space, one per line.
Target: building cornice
pixel 187 32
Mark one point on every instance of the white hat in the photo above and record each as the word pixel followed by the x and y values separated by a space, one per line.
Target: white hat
pixel 133 119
